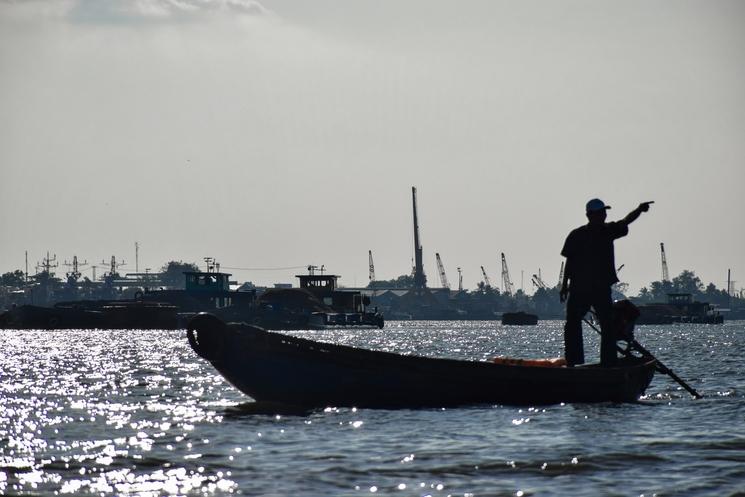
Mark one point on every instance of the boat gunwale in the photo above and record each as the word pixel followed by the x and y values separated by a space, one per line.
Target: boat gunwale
pixel 339 352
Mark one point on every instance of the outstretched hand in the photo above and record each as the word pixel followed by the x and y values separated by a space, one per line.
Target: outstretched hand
pixel 644 206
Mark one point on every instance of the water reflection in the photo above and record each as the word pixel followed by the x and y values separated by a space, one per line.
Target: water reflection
pixel 137 413
pixel 62 390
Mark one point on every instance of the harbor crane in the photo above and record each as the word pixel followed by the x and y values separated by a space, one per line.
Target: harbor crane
pixel 665 273
pixel 420 279
pixel 537 281
pixel 371 274
pixel 441 270
pixel 487 282
pixel 509 288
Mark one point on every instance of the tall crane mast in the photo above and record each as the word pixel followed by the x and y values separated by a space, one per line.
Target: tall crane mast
pixel 561 274
pixel 509 288
pixel 420 280
pixel 371 275
pixel 441 270
pixel 665 273
pixel 460 280
pixel 537 281
pixel 487 282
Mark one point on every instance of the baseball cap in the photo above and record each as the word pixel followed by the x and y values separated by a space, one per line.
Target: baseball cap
pixel 595 205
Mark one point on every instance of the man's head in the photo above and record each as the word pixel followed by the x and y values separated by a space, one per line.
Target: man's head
pixel 595 210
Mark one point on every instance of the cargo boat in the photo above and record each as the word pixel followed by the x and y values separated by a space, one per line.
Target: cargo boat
pixel 679 308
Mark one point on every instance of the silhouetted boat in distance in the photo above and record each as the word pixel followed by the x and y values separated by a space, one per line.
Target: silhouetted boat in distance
pixel 275 368
pixel 317 304
pixel 519 318
pixel 679 308
pixel 94 314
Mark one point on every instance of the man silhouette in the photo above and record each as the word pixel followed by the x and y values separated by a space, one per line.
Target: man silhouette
pixel 589 273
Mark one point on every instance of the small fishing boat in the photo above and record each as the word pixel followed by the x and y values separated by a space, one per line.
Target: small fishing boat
pixel 276 368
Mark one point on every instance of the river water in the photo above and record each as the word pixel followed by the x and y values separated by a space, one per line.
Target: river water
pixel 138 413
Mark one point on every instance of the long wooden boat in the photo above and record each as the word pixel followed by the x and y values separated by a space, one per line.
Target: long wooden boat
pixel 271 367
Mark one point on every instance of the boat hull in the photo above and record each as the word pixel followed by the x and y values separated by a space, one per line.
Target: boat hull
pixel 103 314
pixel 519 319
pixel 271 367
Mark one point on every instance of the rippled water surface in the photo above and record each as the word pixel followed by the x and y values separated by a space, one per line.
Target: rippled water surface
pixel 137 412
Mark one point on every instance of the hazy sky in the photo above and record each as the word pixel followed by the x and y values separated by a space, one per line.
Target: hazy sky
pixel 289 132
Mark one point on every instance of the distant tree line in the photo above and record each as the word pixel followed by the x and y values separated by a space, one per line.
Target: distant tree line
pixel 403 281
pixel 685 282
pixel 172 273
pixel 15 278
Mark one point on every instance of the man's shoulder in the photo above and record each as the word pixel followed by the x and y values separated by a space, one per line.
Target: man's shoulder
pixel 573 241
pixel 578 231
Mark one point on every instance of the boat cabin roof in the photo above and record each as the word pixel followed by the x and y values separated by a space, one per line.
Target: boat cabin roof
pixel 199 281
pixel 318 281
pixel 679 298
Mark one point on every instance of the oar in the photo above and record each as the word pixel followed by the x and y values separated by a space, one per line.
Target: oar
pixel 658 364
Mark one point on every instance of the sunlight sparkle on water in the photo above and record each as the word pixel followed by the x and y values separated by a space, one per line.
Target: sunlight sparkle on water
pixel 114 413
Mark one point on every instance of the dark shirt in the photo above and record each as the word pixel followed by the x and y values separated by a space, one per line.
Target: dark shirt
pixel 590 259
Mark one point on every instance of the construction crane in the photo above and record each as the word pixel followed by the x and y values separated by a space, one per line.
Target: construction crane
pixel 509 288
pixel 487 282
pixel 460 280
pixel 420 279
pixel 537 281
pixel 371 275
pixel 665 273
pixel 441 270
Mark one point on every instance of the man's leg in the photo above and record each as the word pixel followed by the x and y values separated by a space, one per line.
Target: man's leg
pixel 602 304
pixel 577 307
